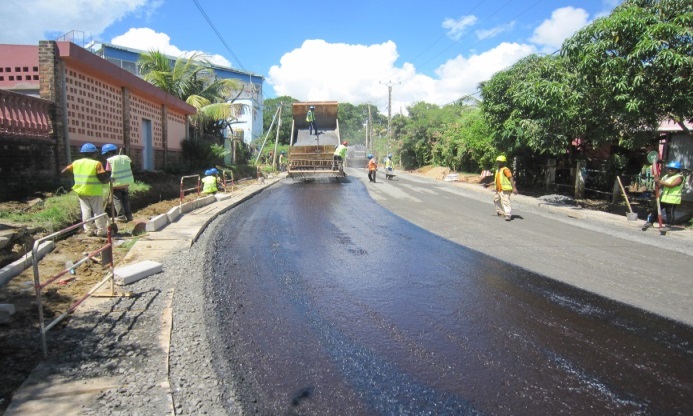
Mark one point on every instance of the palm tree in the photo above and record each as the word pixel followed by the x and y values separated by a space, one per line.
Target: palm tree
pixel 191 79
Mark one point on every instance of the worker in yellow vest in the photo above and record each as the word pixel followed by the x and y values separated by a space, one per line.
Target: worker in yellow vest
pixel 671 185
pixel 120 167
pixel 90 177
pixel 210 181
pixel 505 185
pixel 339 155
pixel 310 119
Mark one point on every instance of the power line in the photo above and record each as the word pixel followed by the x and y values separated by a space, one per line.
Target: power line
pixel 221 38
pixel 443 35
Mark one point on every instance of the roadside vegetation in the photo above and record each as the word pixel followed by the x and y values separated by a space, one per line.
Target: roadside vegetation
pixel 598 99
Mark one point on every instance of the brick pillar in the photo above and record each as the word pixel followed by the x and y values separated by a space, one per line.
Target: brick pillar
pixel 164 133
pixel 52 88
pixel 126 120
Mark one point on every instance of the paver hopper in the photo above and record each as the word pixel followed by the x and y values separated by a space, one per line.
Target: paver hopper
pixel 311 155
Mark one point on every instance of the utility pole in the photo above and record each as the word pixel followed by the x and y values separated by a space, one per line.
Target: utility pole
pixel 389 85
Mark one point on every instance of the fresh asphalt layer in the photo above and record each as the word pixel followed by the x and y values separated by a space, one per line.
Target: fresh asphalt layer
pixel 128 340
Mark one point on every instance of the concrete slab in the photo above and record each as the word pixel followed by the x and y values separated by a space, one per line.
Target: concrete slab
pixel 173 214
pixel 157 223
pixel 13 269
pixel 131 273
pixel 222 196
pixel 209 199
pixel 45 394
pixel 187 207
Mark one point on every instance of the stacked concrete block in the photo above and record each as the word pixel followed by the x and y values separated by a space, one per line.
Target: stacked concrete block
pixel 157 223
pixel 131 273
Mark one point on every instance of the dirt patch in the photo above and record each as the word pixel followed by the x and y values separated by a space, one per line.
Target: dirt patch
pixel 19 340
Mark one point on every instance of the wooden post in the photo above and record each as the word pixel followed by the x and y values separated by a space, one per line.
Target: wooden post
pixel 550 179
pixel 580 179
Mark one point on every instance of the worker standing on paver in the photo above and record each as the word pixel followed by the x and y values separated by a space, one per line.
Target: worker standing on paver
pixel 209 182
pixel 120 167
pixel 310 119
pixel 505 185
pixel 90 176
pixel 339 155
pixel 372 168
pixel 671 185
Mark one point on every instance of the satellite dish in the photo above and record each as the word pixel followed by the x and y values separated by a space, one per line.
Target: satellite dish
pixel 652 157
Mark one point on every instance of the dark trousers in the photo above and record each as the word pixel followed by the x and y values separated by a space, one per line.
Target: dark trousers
pixel 312 128
pixel 669 211
pixel 336 160
pixel 371 175
pixel 121 201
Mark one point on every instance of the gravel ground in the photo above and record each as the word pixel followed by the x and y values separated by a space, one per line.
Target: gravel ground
pixel 125 342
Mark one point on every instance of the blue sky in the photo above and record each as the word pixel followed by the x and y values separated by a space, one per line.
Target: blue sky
pixel 433 51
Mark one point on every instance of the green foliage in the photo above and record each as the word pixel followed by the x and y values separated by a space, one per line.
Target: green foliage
pixel 636 64
pixel 199 154
pixel 53 215
pixel 269 109
pixel 193 80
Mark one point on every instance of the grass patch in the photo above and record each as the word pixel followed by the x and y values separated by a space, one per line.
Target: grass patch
pixel 55 213
pixel 128 244
pixel 58 212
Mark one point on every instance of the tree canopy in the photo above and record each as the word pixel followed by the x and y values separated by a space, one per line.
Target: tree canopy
pixel 637 63
pixel 192 80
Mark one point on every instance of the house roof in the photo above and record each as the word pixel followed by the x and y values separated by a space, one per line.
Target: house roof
pixel 670 126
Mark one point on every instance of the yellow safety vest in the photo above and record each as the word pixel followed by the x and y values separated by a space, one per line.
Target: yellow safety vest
pixel 209 184
pixel 86 181
pixel 310 116
pixel 341 151
pixel 672 195
pixel 506 185
pixel 388 163
pixel 121 171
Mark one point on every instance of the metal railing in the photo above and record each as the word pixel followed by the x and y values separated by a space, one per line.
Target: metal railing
pixel 106 252
pixel 184 190
pixel 226 181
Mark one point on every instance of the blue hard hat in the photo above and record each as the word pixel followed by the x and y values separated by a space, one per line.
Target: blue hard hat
pixel 370 156
pixel 389 155
pixel 88 148
pixel 207 172
pixel 674 165
pixel 213 171
pixel 108 148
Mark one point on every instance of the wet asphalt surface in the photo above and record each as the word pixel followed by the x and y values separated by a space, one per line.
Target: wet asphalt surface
pixel 329 304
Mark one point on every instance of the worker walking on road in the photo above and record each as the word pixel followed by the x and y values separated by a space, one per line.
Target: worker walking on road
pixel 120 167
pixel 372 168
pixel 505 185
pixel 339 155
pixel 671 185
pixel 90 176
pixel 310 119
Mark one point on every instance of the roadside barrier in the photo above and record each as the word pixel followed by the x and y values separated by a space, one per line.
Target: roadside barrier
pixel 106 252
pixel 183 191
pixel 226 181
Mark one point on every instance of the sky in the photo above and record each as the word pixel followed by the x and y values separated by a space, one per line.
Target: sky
pixel 353 51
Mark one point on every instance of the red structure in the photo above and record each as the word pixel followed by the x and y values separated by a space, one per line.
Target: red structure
pixel 56 96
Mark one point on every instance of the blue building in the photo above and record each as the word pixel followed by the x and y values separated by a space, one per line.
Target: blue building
pixel 249 123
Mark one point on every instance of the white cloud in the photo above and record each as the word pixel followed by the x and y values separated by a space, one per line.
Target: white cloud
pixel 485 34
pixel 28 21
pixel 320 71
pixel 456 27
pixel 147 39
pixel 564 22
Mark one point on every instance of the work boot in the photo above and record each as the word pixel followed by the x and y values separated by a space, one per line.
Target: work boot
pixel 508 217
pixel 122 218
pixel 646 226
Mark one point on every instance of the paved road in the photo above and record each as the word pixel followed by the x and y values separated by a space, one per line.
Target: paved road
pixel 611 256
pixel 328 303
